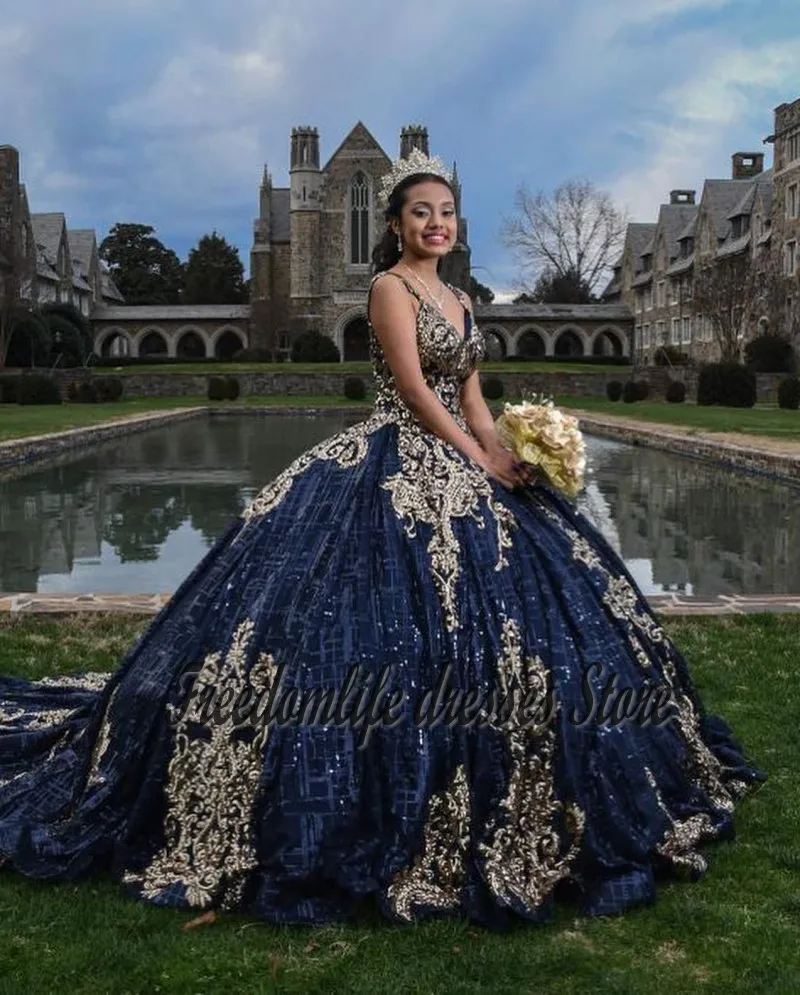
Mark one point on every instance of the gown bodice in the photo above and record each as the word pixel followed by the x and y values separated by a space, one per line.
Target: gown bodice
pixel 447 354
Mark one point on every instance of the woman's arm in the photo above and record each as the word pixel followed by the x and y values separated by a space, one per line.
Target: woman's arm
pixel 476 411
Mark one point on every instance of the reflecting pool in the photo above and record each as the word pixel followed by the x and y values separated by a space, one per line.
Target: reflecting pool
pixel 135 515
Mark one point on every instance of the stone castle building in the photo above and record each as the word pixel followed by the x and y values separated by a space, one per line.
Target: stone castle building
pixel 310 265
pixel 755 213
pixel 50 262
pixel 310 268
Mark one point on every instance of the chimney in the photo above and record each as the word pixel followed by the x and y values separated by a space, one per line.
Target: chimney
pixel 746 165
pixel 9 196
pixel 682 196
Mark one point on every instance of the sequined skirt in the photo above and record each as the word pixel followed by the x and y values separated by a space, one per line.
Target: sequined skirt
pixel 391 681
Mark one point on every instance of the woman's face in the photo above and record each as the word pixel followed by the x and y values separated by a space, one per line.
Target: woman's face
pixel 428 221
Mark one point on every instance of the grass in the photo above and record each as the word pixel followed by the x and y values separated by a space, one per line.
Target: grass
pixel 19 421
pixel 768 420
pixel 733 931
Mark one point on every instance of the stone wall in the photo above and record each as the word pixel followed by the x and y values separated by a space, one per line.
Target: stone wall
pixel 515 385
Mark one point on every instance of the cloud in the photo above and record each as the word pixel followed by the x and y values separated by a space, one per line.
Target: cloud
pixel 724 107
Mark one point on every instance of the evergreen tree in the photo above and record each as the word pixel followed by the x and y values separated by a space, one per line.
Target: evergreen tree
pixel 214 273
pixel 144 270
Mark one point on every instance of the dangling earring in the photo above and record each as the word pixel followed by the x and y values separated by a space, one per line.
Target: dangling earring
pixel 400 243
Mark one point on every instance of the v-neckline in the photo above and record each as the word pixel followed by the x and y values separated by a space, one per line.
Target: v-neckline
pixel 463 336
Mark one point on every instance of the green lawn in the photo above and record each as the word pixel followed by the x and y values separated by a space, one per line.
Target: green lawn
pixel 733 931
pixel 19 421
pixel 764 419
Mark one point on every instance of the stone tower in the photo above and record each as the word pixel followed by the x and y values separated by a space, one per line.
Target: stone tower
pixel 261 270
pixel 305 212
pixel 413 136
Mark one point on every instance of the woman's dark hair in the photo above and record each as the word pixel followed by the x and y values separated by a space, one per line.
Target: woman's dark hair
pixel 386 254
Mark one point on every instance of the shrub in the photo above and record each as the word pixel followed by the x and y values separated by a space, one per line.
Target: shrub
pixel 669 355
pixel 85 392
pixel 313 347
pixel 729 384
pixel 71 344
pixel 29 343
pixel 108 388
pixel 9 389
pixel 232 388
pixel 789 393
pixel 217 389
pixel 676 392
pixel 630 392
pixel 770 354
pixel 614 390
pixel 642 390
pixel 36 388
pixel 492 388
pixel 354 389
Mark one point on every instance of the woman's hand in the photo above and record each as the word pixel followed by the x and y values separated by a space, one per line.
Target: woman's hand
pixel 500 464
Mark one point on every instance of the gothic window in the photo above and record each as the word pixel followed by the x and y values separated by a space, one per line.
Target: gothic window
pixel 359 220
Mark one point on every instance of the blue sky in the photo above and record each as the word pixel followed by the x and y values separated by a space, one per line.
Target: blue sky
pixel 164 111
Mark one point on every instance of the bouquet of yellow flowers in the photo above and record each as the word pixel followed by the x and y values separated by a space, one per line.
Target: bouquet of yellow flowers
pixel 541 435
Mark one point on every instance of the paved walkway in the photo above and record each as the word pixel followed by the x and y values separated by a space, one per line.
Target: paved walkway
pixel 151 604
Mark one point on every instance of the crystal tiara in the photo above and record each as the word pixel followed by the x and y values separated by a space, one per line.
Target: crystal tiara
pixel 415 162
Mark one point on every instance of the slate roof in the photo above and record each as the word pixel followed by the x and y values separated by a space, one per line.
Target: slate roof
pixel 553 312
pixel 47 229
pixel 732 246
pixel 672 220
pixel 279 214
pixel 722 197
pixel 81 242
pixel 108 289
pixel 172 312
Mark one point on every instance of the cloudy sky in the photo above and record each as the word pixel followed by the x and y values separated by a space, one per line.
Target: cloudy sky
pixel 164 111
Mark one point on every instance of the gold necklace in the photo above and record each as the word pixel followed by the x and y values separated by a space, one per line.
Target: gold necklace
pixel 438 301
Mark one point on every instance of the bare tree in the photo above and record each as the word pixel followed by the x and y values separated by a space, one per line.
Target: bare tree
pixel 576 232
pixel 17 275
pixel 726 291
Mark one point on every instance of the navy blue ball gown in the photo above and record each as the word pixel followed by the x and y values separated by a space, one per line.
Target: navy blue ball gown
pixel 377 688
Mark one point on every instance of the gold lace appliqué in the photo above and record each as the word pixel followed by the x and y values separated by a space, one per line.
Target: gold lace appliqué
pixel 524 856
pixel 212 781
pixel 436 879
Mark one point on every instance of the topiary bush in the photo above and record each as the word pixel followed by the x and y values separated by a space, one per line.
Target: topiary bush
pixel 789 393
pixel 630 392
pixel 731 385
pixel 313 347
pixel 217 389
pixel 614 390
pixel 676 392
pixel 770 354
pixel 36 388
pixel 232 388
pixel 642 390
pixel 492 388
pixel 354 389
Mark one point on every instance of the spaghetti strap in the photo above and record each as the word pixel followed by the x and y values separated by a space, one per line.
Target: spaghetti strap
pixel 409 287
pixel 377 277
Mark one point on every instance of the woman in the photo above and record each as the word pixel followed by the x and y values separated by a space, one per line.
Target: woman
pixel 395 679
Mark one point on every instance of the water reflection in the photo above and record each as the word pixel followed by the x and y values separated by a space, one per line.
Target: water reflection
pixel 136 514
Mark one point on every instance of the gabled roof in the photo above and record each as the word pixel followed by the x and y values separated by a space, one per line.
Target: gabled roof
pixel 47 230
pixel 672 220
pixel 638 236
pixel 721 197
pixel 358 134
pixel 81 245
pixel 108 289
